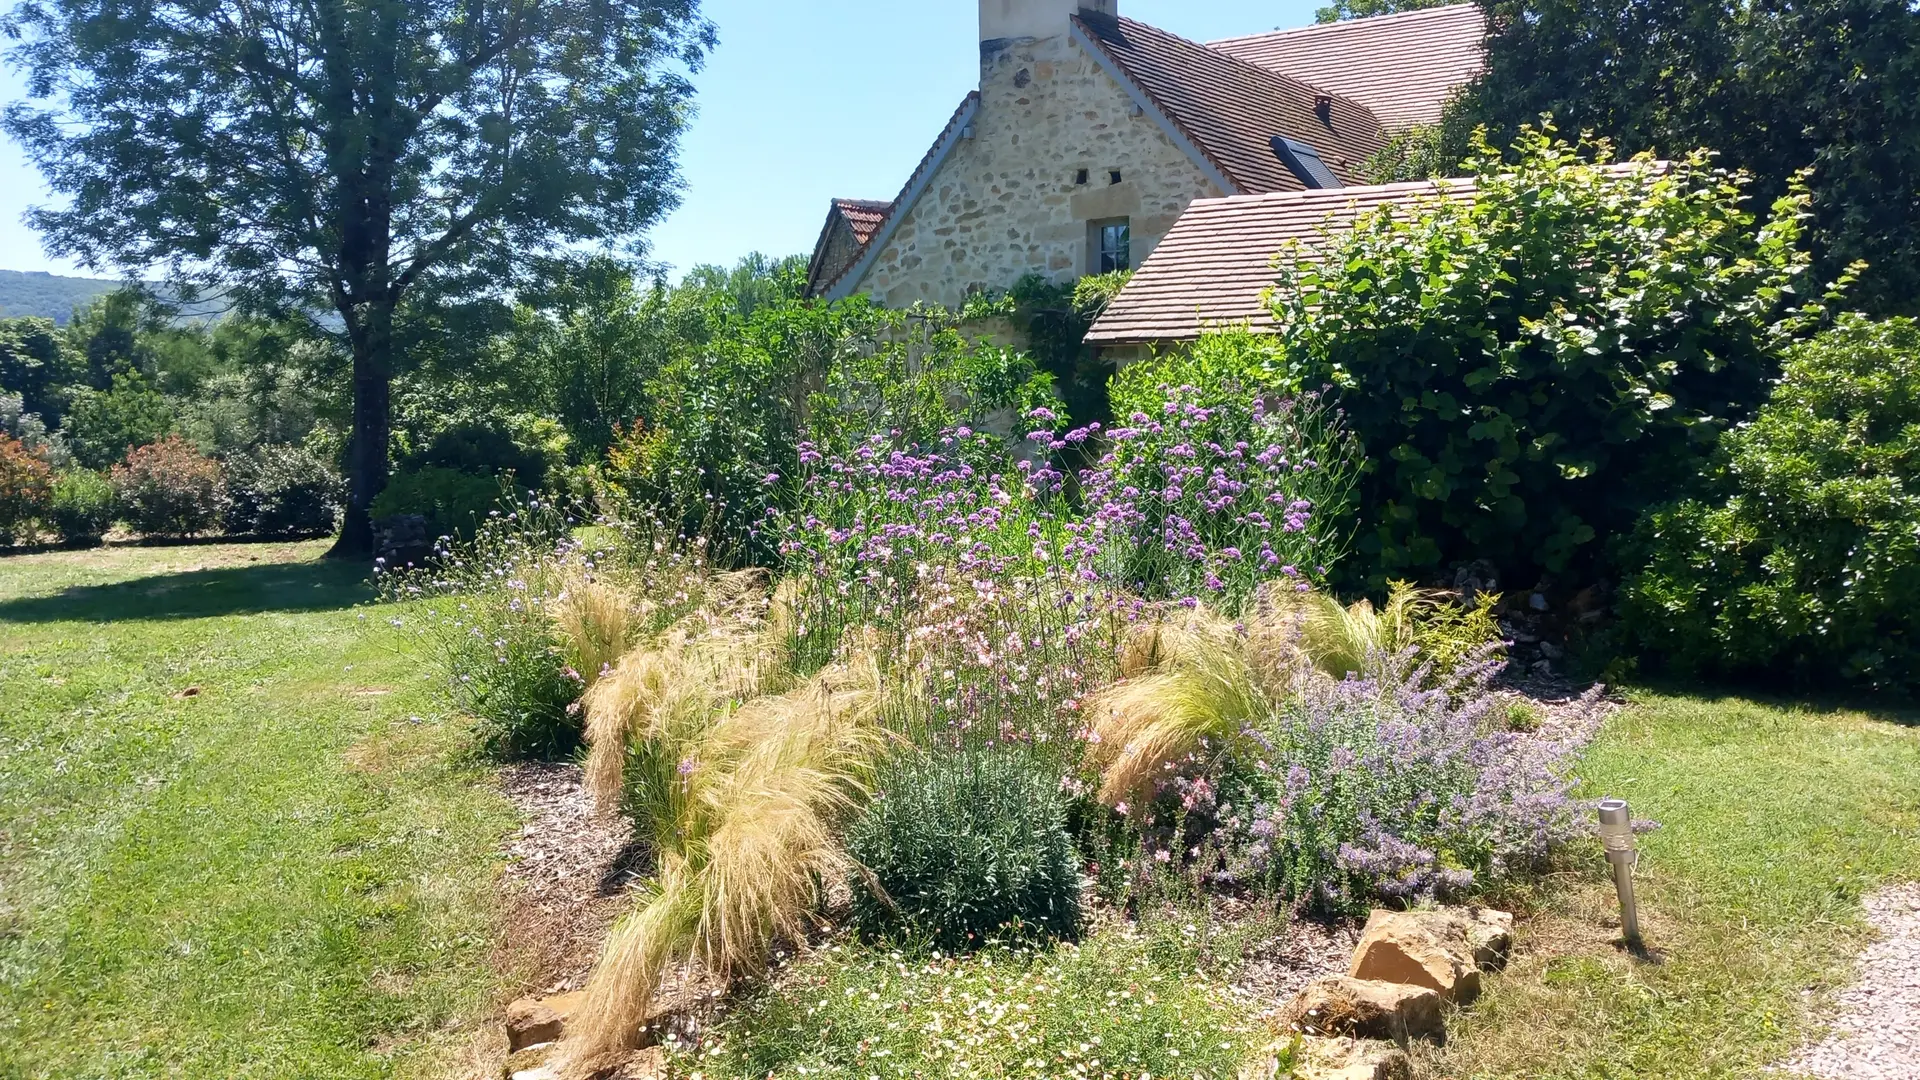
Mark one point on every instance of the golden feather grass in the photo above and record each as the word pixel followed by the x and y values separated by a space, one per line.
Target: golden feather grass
pixel 734 648
pixel 752 837
pixel 595 619
pixel 1188 683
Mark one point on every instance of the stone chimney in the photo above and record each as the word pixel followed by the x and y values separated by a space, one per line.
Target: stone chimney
pixel 1012 20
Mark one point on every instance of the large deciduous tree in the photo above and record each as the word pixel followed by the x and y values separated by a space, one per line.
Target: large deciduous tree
pixel 351 155
pixel 1341 10
pixel 1775 86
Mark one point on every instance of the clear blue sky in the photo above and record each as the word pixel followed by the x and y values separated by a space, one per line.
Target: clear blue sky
pixel 803 101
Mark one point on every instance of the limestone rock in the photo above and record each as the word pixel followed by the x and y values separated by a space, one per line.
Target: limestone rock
pixel 530 1022
pixel 1366 1009
pixel 647 1064
pixel 529 1058
pixel 1443 950
pixel 1314 1058
pixel 1490 933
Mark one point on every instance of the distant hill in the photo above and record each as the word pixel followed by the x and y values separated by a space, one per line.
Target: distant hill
pixel 48 295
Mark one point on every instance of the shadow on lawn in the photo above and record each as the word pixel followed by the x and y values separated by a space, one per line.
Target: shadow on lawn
pixel 201 594
pixel 1885 708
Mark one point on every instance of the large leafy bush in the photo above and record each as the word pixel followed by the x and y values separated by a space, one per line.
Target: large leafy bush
pixel 455 503
pixel 26 488
pixel 170 488
pixel 1804 557
pixel 1530 367
pixel 967 846
pixel 282 491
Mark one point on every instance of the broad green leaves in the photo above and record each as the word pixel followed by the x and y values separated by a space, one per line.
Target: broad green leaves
pixel 1531 360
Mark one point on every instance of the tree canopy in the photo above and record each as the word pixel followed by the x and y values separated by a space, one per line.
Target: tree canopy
pixel 1773 86
pixel 1359 9
pixel 353 155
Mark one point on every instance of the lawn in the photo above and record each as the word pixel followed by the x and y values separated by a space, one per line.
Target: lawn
pixel 1776 821
pixel 236 837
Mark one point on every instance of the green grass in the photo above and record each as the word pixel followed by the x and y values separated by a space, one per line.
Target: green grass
pixel 1776 820
pixel 235 836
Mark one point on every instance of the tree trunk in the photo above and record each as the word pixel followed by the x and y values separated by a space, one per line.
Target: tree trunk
pixel 372 431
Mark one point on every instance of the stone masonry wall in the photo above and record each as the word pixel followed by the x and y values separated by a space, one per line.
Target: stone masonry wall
pixel 1006 202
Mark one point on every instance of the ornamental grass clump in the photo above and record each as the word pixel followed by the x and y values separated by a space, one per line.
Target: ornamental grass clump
pixel 1339 639
pixel 527 615
pixel 746 824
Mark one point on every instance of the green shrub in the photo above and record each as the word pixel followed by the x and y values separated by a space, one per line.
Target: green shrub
pixel 1803 558
pixel 101 426
pixel 967 846
pixel 26 489
pixel 282 491
pixel 170 489
pixel 1531 368
pixel 720 447
pixel 453 502
pixel 489 627
pixel 512 677
pixel 492 447
pixel 82 510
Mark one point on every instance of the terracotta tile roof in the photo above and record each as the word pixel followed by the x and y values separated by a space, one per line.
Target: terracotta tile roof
pixel 1217 260
pixel 864 216
pixel 851 223
pixel 1405 66
pixel 1231 109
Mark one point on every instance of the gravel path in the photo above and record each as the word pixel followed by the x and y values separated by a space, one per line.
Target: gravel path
pixel 1876 1034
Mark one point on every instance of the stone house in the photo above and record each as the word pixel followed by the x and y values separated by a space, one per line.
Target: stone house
pixel 1091 133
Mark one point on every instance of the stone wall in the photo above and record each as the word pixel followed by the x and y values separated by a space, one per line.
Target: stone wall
pixel 1006 201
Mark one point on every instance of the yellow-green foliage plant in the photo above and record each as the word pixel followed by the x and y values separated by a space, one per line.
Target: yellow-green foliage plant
pixel 1340 640
pixel 743 796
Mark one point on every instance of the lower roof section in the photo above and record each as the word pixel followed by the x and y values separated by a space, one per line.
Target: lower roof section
pixel 1213 267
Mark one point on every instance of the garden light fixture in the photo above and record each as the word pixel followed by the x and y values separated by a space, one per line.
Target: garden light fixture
pixel 1616 835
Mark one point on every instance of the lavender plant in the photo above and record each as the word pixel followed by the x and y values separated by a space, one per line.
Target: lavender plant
pixel 1378 787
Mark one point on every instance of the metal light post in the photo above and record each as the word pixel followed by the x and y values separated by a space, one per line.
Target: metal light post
pixel 1616 834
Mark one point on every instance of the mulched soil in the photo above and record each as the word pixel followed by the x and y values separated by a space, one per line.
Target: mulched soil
pixel 1876 1029
pixel 568 872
